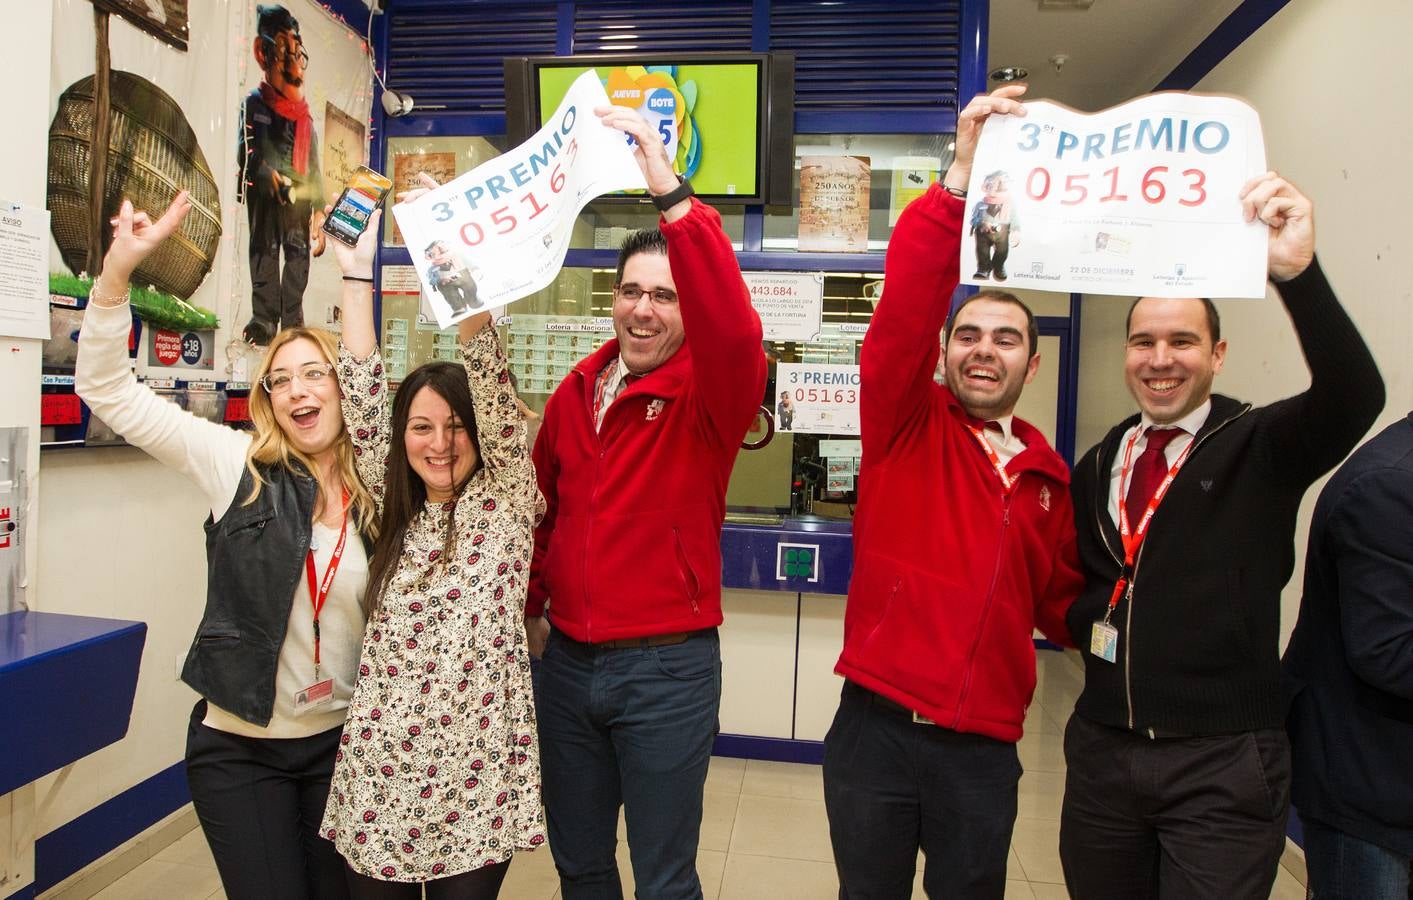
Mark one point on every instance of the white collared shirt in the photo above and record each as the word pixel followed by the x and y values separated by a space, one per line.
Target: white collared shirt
pixel 612 387
pixel 1190 425
pixel 1006 444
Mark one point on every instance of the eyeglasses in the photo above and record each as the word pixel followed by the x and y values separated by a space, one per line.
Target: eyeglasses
pixel 281 380
pixel 301 55
pixel 632 293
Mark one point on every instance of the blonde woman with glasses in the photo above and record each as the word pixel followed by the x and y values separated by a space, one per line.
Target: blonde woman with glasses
pixel 276 654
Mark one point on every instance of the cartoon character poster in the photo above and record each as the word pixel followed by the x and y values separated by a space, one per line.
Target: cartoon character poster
pixel 994 226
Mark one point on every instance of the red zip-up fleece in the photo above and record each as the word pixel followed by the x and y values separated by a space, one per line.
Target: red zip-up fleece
pixel 950 576
pixel 630 545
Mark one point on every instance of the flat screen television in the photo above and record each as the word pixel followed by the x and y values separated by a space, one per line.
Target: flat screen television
pixel 728 118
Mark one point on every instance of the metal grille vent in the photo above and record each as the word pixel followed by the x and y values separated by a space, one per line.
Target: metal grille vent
pixel 452 57
pixel 870 55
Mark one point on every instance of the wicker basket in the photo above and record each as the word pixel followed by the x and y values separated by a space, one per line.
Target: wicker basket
pixel 152 154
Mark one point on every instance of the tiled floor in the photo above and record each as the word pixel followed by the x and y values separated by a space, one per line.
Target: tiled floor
pixel 764 833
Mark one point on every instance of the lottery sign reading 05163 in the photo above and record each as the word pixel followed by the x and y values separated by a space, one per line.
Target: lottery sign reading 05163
pixel 500 232
pixel 816 398
pixel 1140 199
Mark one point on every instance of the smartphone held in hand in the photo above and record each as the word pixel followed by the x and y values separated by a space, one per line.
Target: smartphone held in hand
pixel 364 191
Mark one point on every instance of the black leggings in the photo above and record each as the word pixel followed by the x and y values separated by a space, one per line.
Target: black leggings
pixel 478 884
pixel 260 802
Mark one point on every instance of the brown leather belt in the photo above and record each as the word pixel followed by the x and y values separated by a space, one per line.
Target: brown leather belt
pixel 653 640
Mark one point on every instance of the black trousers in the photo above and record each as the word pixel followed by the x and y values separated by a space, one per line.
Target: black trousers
pixel 276 293
pixel 260 802
pixel 992 250
pixel 1189 818
pixel 478 884
pixel 892 786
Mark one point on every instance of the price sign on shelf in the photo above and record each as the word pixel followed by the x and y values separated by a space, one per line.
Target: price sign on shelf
pixel 1141 199
pixel 790 304
pixel 816 399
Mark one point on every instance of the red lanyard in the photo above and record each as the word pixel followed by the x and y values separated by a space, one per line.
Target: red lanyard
pixel 1008 483
pixel 319 590
pixel 1133 538
pixel 600 384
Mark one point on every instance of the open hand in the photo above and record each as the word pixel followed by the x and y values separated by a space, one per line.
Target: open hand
pixel 1001 101
pixel 648 148
pixel 411 196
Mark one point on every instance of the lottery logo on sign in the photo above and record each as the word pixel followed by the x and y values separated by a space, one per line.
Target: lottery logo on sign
pixel 661 112
pixel 191 349
pixel 655 92
pixel 167 347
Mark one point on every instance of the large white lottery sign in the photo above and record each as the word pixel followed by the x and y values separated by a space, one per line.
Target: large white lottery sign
pixel 500 231
pixel 816 398
pixel 1140 199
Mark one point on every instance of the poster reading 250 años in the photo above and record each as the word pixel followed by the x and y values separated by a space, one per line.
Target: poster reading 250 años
pixel 500 231
pixel 1140 199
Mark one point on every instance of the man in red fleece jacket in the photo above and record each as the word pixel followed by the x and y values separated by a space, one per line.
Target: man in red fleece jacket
pixel 633 458
pixel 964 542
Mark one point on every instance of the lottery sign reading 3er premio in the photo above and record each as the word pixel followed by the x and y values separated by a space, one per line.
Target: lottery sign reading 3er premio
pixel 1141 199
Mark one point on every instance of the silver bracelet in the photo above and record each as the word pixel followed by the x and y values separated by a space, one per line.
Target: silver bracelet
pixel 102 302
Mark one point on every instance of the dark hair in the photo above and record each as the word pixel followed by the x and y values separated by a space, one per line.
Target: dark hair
pixel 646 240
pixel 404 492
pixel 1032 330
pixel 271 19
pixel 1214 321
pixel 432 246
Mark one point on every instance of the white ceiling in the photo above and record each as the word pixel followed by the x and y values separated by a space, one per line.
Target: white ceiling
pixel 1117 49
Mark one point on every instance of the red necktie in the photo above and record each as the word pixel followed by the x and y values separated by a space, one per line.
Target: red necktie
pixel 986 425
pixel 1148 473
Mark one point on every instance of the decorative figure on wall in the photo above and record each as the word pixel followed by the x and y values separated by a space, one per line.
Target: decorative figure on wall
pixel 280 180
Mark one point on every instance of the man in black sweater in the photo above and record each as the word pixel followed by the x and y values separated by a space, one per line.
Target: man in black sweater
pixel 1178 767
pixel 1349 677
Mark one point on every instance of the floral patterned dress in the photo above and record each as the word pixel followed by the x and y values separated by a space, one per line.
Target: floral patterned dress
pixel 438 772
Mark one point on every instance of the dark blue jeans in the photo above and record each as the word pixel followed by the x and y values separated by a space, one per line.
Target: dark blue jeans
pixel 892 786
pixel 1340 866
pixel 631 728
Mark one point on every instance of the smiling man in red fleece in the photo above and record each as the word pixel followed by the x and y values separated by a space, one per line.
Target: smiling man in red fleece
pixel 964 542
pixel 633 458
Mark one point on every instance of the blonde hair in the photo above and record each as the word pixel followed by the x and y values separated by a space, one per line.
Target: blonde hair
pixel 272 445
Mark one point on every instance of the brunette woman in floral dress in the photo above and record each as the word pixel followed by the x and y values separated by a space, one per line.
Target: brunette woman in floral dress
pixel 438 777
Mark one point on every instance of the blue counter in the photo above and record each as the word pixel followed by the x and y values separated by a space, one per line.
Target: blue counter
pixel 67 686
pixel 813 556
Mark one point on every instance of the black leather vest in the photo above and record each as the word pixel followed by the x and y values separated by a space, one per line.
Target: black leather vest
pixel 254 559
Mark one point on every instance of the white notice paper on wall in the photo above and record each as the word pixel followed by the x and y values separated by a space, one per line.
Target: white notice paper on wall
pixel 24 271
pixel 790 304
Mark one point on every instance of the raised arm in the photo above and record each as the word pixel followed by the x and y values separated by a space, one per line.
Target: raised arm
pixel 500 427
pixel 903 343
pixel 367 408
pixel 1346 392
pixel 209 454
pixel 721 329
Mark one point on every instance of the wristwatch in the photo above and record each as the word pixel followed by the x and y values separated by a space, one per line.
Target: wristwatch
pixel 673 197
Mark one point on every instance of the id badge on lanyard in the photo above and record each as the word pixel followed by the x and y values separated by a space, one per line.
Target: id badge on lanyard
pixel 1103 636
pixel 320 692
